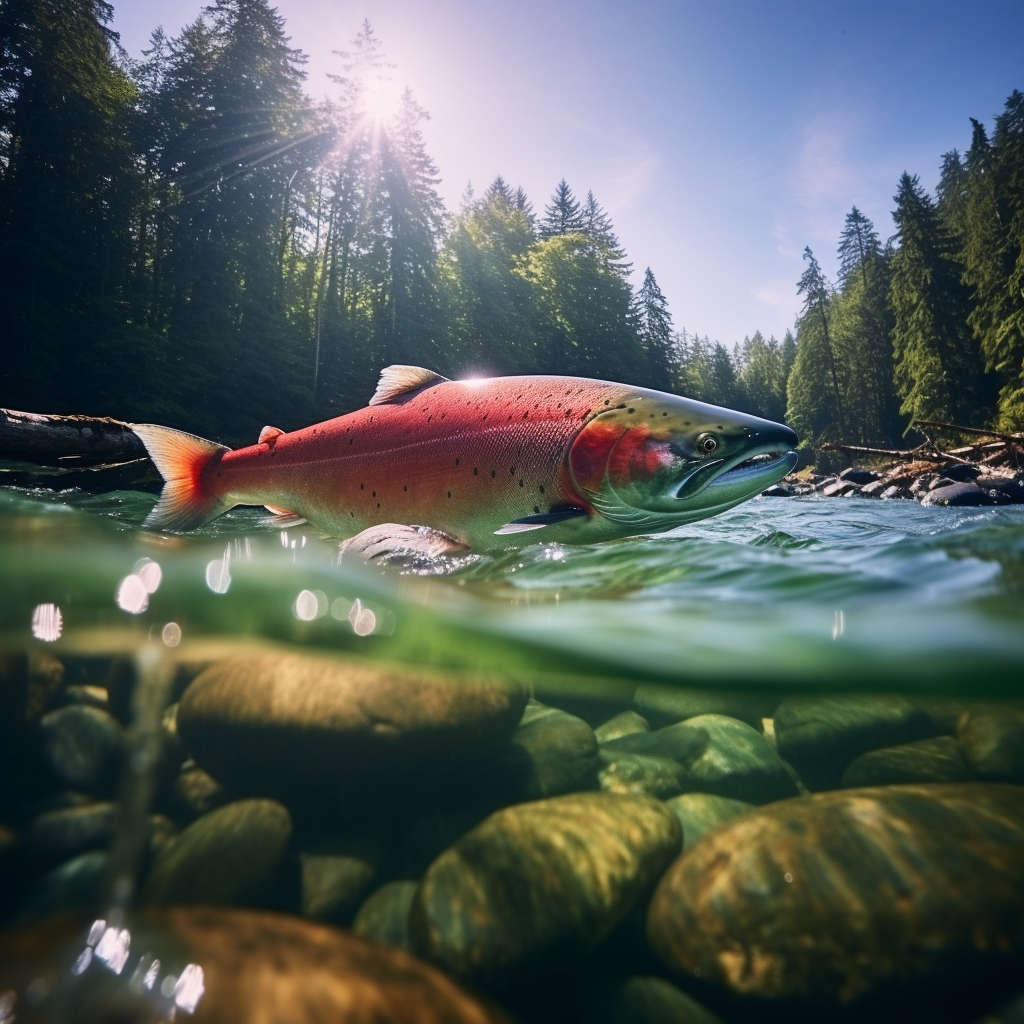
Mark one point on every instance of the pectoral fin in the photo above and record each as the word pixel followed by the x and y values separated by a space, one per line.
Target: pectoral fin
pixel 560 514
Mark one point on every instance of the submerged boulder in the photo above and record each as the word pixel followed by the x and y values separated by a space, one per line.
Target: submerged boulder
pixel 337 736
pixel 535 887
pixel 907 899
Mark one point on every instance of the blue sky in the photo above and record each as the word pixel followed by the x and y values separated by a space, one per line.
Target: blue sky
pixel 722 137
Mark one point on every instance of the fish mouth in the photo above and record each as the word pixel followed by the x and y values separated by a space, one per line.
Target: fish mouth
pixel 751 471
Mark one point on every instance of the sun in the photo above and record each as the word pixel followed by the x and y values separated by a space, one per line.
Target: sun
pixel 379 99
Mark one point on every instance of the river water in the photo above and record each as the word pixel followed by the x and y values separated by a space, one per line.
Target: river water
pixel 912 615
pixel 811 592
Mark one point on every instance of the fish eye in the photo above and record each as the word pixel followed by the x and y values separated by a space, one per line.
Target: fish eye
pixel 707 443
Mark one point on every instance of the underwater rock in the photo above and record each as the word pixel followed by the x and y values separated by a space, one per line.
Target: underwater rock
pixel 534 888
pixel 551 753
pixel 991 740
pixel 666 705
pixel 820 736
pixel 249 967
pixel 76 885
pixel 699 813
pixel 626 723
pixel 384 917
pixel 902 899
pixel 63 833
pixel 641 775
pixel 336 877
pixel 83 747
pixel 317 733
pixel 719 754
pixel 234 855
pixel 195 793
pixel 643 999
pixel 933 760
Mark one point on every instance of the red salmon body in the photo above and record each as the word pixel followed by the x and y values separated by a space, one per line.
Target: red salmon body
pixel 468 458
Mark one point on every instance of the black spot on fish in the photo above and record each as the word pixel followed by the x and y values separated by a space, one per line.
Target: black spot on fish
pixel 374 494
pixel 218 472
pixel 449 494
pixel 631 411
pixel 607 401
pixel 520 482
pixel 541 488
pixel 378 504
pixel 475 471
pixel 457 461
pixel 362 487
pixel 513 470
pixel 664 414
pixel 350 440
pixel 536 508
pixel 494 473
pixel 405 487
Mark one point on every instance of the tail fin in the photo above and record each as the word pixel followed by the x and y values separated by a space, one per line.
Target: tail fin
pixel 181 459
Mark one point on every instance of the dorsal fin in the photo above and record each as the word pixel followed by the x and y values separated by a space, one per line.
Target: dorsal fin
pixel 399 380
pixel 268 435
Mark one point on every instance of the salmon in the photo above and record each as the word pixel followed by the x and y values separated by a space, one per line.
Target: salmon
pixel 491 464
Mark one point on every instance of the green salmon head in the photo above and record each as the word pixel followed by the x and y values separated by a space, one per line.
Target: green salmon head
pixel 657 460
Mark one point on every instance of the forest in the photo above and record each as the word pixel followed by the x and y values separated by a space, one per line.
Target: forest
pixel 189 239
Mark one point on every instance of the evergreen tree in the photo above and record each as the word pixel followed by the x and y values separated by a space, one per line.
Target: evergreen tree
pixel 991 254
pixel 817 311
pixel 762 377
pixel 655 324
pixel 862 325
pixel 937 369
pixel 562 215
pixel 67 195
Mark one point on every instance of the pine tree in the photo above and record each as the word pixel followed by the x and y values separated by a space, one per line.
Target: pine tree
pixel 562 215
pixel 937 368
pixel 655 324
pixel 68 189
pixel 817 308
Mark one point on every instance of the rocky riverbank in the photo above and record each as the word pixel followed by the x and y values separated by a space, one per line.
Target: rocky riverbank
pixel 386 844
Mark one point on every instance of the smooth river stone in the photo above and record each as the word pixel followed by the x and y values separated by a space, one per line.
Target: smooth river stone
pixel 934 760
pixel 892 900
pixel 339 735
pixel 820 736
pixel 991 739
pixel 626 723
pixel 535 887
pixel 699 813
pixel 642 999
pixel 234 855
pixel 551 753
pixel 256 967
pixel 83 747
pixel 665 705
pixel 641 775
pixel 384 917
pixel 719 755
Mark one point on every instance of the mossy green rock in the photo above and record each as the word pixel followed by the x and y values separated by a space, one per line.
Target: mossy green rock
pixel 83 747
pixel 641 775
pixel 642 999
pixel 337 876
pixel 626 723
pixel 699 813
pixel 384 917
pixel 551 753
pixel 340 735
pixel 902 899
pixel 234 855
pixel 820 736
pixel 991 740
pixel 933 760
pixel 665 705
pixel 719 755
pixel 534 888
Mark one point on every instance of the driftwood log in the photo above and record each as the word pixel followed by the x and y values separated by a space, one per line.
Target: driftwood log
pixel 998 453
pixel 94 453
